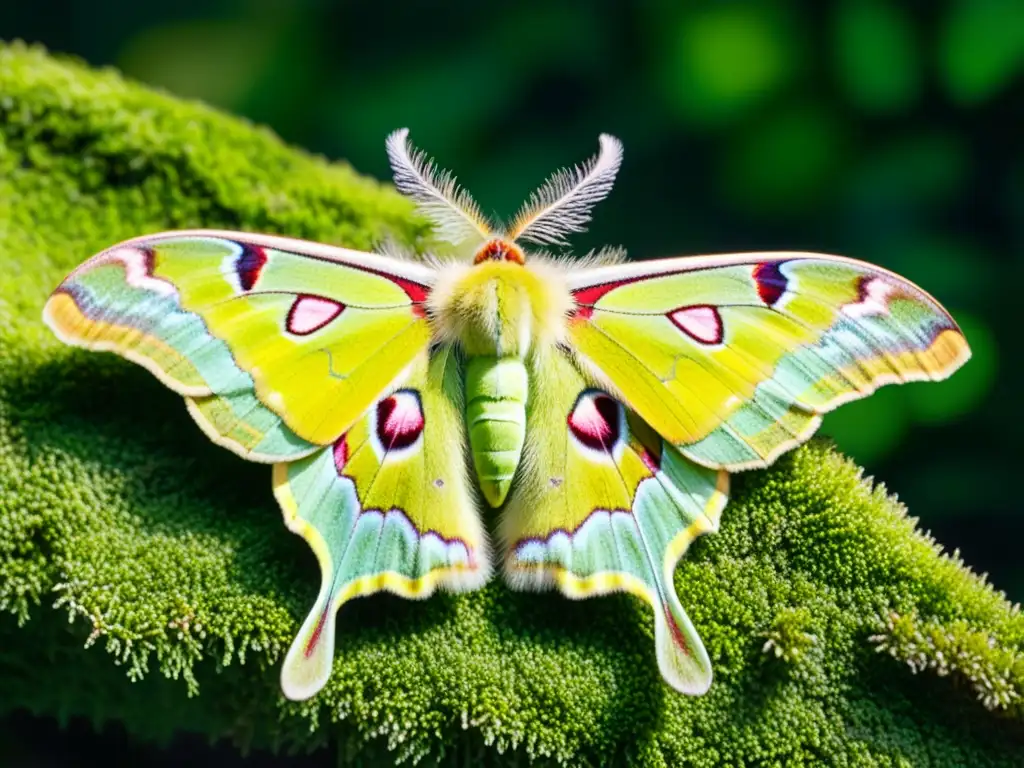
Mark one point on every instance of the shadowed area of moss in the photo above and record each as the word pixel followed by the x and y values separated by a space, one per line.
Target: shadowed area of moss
pixel 838 633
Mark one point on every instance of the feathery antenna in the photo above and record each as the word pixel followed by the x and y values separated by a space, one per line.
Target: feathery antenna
pixel 563 204
pixel 455 214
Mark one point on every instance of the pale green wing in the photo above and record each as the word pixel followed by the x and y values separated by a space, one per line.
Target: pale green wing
pixel 387 507
pixel 602 504
pixel 278 344
pixel 733 359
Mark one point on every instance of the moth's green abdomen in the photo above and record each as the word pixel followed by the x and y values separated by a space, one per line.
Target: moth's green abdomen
pixel 496 393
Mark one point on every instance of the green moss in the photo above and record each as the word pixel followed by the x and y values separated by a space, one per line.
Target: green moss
pixel 994 672
pixel 169 557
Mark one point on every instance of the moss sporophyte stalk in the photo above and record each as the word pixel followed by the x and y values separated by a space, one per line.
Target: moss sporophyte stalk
pixel 836 630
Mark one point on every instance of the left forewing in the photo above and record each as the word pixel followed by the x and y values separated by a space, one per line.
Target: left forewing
pixel 279 345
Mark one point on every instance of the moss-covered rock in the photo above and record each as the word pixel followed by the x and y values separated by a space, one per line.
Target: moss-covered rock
pixel 838 632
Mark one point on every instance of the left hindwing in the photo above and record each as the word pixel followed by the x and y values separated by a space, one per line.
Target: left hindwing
pixel 733 359
pixel 387 507
pixel 602 504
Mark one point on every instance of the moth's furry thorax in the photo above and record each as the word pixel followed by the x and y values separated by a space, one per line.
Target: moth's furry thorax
pixel 506 303
pixel 500 307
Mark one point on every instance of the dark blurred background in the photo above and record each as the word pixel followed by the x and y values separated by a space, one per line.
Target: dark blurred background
pixel 886 131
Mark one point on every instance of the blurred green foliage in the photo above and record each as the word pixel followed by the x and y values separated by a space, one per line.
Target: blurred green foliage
pixel 877 52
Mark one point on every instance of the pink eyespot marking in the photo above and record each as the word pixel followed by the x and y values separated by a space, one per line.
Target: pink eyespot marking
pixel 399 420
pixel 701 322
pixel 311 313
pixel 595 421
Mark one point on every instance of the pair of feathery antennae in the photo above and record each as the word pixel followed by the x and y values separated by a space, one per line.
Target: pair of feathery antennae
pixel 559 208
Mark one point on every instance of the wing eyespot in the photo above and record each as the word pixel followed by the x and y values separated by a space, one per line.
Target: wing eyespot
pixel 400 420
pixel 701 322
pixel 309 314
pixel 596 421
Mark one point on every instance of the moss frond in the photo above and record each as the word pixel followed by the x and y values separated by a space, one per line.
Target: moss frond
pixel 994 672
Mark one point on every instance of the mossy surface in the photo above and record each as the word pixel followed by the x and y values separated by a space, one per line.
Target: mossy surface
pixel 838 632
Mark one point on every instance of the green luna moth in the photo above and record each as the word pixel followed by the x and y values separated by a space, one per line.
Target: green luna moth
pixel 599 405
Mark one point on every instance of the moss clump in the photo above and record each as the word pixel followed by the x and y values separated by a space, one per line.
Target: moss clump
pixel 169 558
pixel 955 648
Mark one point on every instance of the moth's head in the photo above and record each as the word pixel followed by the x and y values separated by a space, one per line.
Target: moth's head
pixel 500 249
pixel 559 208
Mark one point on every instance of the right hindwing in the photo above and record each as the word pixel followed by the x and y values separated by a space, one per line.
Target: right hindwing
pixel 603 504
